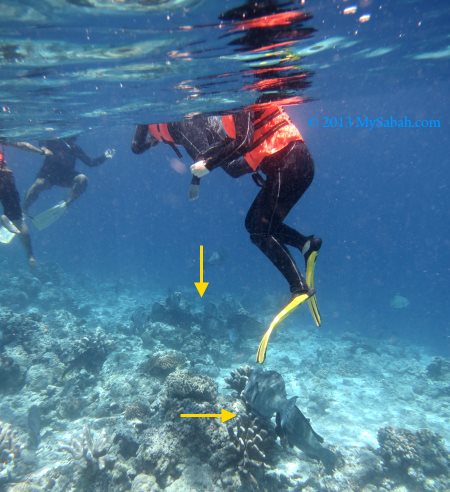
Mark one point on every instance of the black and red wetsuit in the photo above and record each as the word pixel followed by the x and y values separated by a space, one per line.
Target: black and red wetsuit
pixel 278 150
pixel 262 140
pixel 198 135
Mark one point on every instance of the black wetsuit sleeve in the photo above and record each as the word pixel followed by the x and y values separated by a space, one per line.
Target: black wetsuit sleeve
pixel 237 167
pixel 228 151
pixel 79 153
pixel 142 140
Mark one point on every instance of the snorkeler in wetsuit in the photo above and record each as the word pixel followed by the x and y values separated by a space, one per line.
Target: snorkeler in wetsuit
pixel 59 170
pixel 265 140
pixel 12 221
pixel 277 150
pixel 198 135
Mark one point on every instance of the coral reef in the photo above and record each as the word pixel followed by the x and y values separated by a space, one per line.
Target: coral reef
pixel 182 384
pixel 160 454
pixel 139 320
pixel 410 458
pixel 137 410
pixel 88 352
pixel 205 338
pixel 90 448
pixel 238 379
pixel 10 450
pixel 439 368
pixel 238 454
pixel 127 439
pixel 164 362
pixel 88 369
pixel 229 319
pixel 16 328
pixel 252 443
pixel 12 375
pixel 264 395
pixel 175 311
pixel 144 483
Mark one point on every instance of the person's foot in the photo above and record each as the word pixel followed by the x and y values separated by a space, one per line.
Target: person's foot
pixel 302 290
pixel 313 243
pixel 32 262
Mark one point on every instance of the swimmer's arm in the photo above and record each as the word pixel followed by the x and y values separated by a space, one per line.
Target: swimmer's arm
pixel 28 146
pixel 234 148
pixel 81 154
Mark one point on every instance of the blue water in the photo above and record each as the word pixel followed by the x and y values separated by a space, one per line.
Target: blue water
pixel 87 339
pixel 379 200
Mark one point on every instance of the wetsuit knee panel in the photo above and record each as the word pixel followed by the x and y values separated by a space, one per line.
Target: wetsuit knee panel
pixel 260 239
pixel 81 181
pixel 255 225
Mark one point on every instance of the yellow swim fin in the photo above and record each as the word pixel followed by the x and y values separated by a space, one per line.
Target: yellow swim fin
pixel 314 309
pixel 312 301
pixel 48 217
pixel 286 311
pixel 310 251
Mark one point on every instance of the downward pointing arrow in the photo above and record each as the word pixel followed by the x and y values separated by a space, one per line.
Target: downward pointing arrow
pixel 201 286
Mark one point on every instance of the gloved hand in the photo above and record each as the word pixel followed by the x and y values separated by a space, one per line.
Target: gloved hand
pixel 109 153
pixel 199 169
pixel 46 151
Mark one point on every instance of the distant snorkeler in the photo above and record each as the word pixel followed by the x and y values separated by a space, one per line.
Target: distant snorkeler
pixel 58 169
pixel 12 222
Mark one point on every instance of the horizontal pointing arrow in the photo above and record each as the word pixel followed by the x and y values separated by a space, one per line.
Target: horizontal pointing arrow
pixel 224 415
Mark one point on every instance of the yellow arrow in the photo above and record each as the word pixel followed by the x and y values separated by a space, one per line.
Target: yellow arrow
pixel 224 415
pixel 201 286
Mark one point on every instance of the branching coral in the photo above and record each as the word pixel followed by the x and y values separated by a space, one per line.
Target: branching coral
pixel 90 448
pixel 252 441
pixel 238 379
pixel 252 438
pixel 264 394
pixel 10 450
